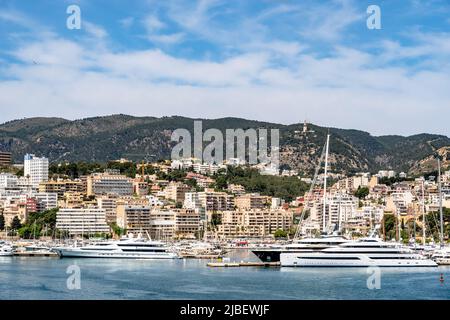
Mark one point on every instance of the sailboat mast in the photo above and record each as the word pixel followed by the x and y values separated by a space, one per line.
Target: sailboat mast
pixel 423 213
pixel 440 204
pixel 325 183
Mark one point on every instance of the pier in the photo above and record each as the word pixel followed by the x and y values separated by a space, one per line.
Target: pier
pixel 242 264
pixel 48 254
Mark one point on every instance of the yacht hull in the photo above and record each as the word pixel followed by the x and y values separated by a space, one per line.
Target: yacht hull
pixel 78 253
pixel 295 260
pixel 6 254
pixel 268 255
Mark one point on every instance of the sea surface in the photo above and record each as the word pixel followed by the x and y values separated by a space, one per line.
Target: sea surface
pixel 48 278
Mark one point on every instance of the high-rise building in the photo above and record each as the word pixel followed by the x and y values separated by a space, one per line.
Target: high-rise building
pixel 35 169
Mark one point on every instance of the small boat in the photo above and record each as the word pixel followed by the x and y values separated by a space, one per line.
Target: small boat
pixel 5 250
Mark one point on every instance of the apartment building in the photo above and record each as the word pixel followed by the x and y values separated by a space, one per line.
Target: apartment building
pixel 73 200
pixel 8 181
pixel 35 169
pixel 339 208
pixel 253 223
pixel 134 218
pixel 82 221
pixel 109 204
pixel 61 186
pixel 109 183
pixel 209 200
pixel 140 187
pixel 187 223
pixel 162 224
pixel 46 200
pixel 176 191
pixel 251 201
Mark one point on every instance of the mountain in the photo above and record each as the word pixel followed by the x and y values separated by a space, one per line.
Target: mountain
pixel 121 136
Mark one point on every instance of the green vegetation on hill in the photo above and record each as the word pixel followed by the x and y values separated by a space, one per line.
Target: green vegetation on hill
pixel 102 139
pixel 286 188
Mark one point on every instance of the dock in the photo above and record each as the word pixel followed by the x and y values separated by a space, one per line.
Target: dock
pixel 243 264
pixel 201 256
pixel 48 254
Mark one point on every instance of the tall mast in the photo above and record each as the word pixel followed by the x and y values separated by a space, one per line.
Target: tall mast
pixel 325 183
pixel 440 203
pixel 423 213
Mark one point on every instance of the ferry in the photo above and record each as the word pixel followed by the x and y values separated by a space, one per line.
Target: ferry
pixel 364 252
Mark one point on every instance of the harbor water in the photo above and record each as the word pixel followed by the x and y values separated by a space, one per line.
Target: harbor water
pixel 50 278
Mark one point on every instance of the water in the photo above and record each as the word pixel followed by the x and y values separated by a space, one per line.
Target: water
pixel 46 278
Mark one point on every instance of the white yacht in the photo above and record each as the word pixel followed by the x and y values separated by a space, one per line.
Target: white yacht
pixel 125 248
pixel 5 249
pixel 361 253
pixel 273 253
pixel 442 256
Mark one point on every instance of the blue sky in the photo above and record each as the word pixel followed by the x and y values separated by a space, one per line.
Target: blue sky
pixel 272 60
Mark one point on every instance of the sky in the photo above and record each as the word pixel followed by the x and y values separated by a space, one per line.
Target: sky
pixel 271 60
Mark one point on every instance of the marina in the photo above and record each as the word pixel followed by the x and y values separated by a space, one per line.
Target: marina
pixel 44 278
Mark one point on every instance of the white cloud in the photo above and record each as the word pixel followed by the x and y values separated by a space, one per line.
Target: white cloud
pixel 152 23
pixel 126 22
pixel 94 30
pixel 261 77
pixel 167 38
pixel 345 90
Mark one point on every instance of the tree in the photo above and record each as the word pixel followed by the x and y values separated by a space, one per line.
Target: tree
pixel 117 230
pixel 2 222
pixel 280 234
pixel 389 226
pixel 216 219
pixel 15 224
pixel 362 192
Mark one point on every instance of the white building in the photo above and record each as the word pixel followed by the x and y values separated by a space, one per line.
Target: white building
pixel 386 174
pixel 8 181
pixel 154 201
pixel 82 221
pixel 276 203
pixel 46 200
pixel 340 207
pixel 35 169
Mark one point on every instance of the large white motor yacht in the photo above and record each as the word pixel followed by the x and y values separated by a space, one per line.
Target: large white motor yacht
pixel 273 253
pixel 361 253
pixel 125 248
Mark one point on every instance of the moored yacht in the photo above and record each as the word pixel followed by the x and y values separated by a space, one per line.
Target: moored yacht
pixel 5 249
pixel 442 256
pixel 361 253
pixel 125 248
pixel 304 245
